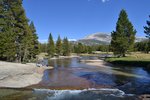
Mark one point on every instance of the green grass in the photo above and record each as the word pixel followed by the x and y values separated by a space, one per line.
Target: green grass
pixel 135 59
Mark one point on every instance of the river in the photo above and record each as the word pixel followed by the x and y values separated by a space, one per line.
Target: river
pixel 73 80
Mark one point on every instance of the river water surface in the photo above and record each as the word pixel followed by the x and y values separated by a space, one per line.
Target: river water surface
pixel 73 80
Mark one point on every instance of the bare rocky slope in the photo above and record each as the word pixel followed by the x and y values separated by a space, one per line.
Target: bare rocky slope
pixel 101 38
pixel 18 75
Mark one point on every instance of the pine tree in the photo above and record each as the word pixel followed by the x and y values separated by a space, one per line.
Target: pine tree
pixel 7 32
pixel 42 47
pixel 147 32
pixel 51 46
pixel 124 36
pixel 80 47
pixel 26 43
pixel 66 47
pixel 147 29
pixel 15 34
pixel 59 46
pixel 89 49
pixel 24 33
pixel 35 43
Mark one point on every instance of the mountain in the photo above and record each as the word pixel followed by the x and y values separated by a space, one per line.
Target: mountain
pixel 139 39
pixel 101 39
pixel 96 38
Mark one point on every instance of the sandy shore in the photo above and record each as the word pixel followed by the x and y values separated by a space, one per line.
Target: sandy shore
pixel 64 57
pixel 20 75
pixel 99 63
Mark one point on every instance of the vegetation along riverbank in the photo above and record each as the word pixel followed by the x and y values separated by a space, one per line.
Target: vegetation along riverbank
pixel 134 59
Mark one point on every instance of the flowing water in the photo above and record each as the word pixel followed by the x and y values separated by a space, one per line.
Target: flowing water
pixel 73 80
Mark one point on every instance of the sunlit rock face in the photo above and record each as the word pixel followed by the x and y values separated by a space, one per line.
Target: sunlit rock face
pixel 96 38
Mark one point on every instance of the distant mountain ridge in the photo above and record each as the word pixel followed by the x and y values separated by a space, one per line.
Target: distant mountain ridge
pixel 101 38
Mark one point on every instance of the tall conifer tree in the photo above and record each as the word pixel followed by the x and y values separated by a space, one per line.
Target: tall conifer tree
pixel 35 43
pixel 7 31
pixel 51 46
pixel 15 34
pixel 66 47
pixel 147 32
pixel 124 36
pixel 59 46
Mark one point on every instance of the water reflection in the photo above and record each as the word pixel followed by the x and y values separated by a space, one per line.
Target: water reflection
pixel 57 63
pixel 137 84
pixel 70 73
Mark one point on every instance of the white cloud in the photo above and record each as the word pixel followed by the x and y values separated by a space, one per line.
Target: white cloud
pixel 104 1
pixel 101 0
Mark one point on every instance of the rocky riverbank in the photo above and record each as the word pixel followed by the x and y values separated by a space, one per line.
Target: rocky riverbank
pixel 18 75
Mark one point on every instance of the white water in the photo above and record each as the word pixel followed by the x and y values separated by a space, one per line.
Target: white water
pixel 90 94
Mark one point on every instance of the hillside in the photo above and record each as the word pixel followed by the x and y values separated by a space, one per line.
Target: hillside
pixel 101 38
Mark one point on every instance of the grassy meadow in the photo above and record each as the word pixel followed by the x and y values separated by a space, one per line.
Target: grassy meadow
pixel 135 59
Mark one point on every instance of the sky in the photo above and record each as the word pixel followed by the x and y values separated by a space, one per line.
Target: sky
pixel 76 19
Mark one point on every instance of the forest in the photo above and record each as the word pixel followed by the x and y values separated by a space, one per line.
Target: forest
pixel 19 39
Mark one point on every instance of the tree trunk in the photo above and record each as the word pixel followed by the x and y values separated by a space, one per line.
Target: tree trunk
pixel 25 54
pixel 124 55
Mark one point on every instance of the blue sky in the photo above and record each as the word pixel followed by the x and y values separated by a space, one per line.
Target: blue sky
pixel 77 18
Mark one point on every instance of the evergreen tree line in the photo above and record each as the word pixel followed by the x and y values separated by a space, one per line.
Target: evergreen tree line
pixel 123 38
pixel 65 48
pixel 18 38
pixel 19 41
pixel 123 41
pixel 60 48
pixel 142 46
pixel 81 48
